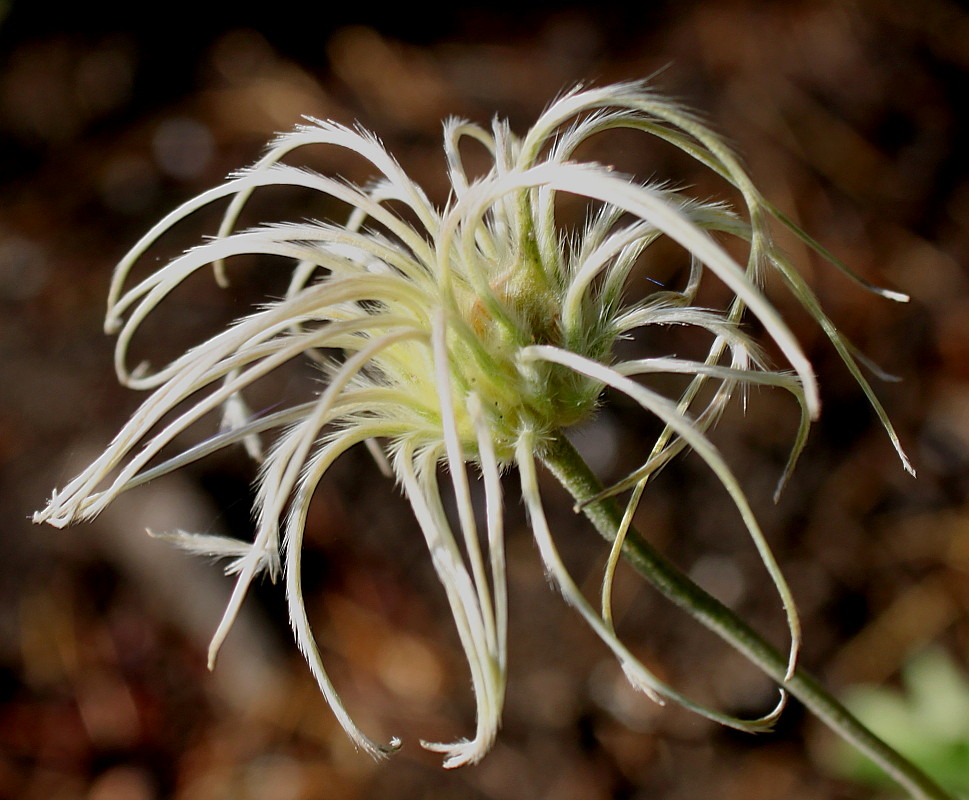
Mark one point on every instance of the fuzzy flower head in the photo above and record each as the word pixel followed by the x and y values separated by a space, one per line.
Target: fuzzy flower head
pixel 457 337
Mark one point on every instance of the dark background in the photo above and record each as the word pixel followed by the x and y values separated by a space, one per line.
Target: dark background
pixel 852 118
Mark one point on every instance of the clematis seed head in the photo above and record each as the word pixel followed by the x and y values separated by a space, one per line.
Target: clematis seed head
pixel 468 335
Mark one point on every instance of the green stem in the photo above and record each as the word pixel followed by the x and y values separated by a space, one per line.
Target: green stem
pixel 574 474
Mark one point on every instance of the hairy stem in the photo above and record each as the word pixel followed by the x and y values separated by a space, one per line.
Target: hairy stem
pixel 574 474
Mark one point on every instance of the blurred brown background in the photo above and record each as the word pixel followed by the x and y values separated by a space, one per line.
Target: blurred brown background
pixel 852 117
